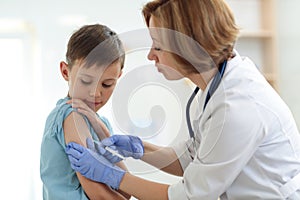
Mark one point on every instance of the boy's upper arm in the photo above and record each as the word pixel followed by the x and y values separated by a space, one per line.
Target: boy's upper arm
pixel 76 130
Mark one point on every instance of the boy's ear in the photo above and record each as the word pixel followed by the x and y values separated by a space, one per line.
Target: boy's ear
pixel 64 70
pixel 121 72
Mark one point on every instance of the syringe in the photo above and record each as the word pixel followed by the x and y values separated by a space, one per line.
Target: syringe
pixel 112 151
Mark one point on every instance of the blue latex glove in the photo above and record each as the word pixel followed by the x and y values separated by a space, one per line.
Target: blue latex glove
pixel 99 148
pixel 94 166
pixel 127 145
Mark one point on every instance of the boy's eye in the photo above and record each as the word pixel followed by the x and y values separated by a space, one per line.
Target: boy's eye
pixel 157 48
pixel 105 85
pixel 86 82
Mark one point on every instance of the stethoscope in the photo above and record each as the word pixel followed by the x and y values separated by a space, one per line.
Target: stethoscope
pixel 213 87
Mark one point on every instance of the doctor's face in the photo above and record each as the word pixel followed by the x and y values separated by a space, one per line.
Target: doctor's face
pixel 93 85
pixel 164 61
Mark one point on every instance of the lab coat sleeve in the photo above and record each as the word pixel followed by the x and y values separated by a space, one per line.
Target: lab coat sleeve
pixel 230 133
pixel 185 152
pixel 176 191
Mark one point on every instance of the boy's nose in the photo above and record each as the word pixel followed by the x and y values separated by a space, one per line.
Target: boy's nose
pixel 96 92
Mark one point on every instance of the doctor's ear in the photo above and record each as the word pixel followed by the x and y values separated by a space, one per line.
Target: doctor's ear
pixel 64 70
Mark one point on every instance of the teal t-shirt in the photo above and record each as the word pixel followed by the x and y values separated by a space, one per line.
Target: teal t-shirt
pixel 60 181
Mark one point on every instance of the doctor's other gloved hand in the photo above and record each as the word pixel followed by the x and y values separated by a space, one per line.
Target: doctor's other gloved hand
pixel 126 145
pixel 94 166
pixel 99 148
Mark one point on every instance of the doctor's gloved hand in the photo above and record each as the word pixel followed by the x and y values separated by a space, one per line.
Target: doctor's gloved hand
pixel 126 145
pixel 94 166
pixel 99 148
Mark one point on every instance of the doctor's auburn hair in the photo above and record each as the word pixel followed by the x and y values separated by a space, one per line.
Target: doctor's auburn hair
pixel 210 23
pixel 95 44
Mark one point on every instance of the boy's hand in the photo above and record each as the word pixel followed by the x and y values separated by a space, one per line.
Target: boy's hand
pixel 99 127
pixel 82 108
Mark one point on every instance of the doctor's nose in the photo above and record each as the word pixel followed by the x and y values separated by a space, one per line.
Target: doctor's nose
pixel 151 56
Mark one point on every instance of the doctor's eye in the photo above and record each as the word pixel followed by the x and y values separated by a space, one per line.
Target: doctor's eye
pixel 157 48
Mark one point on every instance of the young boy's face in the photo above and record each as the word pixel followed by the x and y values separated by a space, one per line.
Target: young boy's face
pixel 93 85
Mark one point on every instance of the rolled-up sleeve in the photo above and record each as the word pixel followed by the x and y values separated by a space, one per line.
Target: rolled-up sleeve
pixel 185 152
pixel 176 191
pixel 197 185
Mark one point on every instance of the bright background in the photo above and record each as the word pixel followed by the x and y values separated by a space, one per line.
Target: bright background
pixel 33 38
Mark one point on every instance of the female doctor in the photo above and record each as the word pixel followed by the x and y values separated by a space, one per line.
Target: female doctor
pixel 245 143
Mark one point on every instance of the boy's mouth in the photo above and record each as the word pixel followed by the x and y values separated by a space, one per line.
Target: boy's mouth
pixel 93 104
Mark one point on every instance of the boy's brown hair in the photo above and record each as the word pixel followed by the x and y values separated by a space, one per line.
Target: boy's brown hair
pixel 95 44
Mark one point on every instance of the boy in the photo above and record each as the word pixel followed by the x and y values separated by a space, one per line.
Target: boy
pixel 94 62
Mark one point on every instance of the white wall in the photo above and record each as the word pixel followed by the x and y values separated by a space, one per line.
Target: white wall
pixel 289 65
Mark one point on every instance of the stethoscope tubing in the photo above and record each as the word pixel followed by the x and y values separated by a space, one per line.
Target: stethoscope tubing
pixel 213 87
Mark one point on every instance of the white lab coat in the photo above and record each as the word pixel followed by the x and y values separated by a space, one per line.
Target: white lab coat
pixel 247 142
